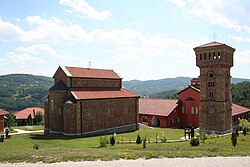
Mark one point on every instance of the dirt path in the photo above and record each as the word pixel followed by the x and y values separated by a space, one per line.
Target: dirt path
pixel 172 162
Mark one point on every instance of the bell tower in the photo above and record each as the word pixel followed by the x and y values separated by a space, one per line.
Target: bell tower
pixel 215 60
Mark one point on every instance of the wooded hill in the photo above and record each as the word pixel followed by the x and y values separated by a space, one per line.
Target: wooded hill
pixel 19 91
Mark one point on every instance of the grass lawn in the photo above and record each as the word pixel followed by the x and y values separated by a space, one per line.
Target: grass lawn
pixel 51 149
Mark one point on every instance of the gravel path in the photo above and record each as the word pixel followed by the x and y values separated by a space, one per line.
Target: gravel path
pixel 172 162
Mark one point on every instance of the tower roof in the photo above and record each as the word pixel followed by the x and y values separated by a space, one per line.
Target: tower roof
pixel 212 44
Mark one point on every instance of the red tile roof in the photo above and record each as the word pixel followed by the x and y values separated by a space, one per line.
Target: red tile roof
pixel 236 110
pixel 102 94
pixel 210 44
pixel 23 114
pixel 3 112
pixel 89 72
pixel 160 107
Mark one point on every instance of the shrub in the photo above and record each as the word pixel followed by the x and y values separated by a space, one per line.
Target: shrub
pixel 194 142
pixel 112 140
pixel 1 138
pixel 36 146
pixel 103 141
pixel 138 140
pixel 163 138
pixel 234 139
pixel 203 135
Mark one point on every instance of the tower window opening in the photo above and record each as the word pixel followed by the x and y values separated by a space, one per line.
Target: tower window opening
pixel 211 94
pixel 200 56
pixel 218 55
pixel 210 84
pixel 214 55
pixel 209 56
pixel 205 56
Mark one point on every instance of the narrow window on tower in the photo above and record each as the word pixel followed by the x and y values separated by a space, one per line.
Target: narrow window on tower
pixel 209 56
pixel 205 56
pixel 214 55
pixel 211 94
pixel 218 55
pixel 210 84
pixel 200 56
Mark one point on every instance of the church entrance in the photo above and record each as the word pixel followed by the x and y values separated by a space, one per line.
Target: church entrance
pixel 156 122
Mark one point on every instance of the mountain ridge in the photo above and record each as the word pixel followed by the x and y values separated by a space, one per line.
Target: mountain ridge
pixel 19 91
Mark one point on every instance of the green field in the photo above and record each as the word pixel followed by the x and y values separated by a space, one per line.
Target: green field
pixel 51 149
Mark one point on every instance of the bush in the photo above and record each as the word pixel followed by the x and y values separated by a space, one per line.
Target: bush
pixel 112 140
pixel 103 141
pixel 36 146
pixel 1 138
pixel 194 142
pixel 138 140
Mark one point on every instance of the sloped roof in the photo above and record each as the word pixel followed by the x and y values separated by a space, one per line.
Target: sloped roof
pixel 102 94
pixel 192 87
pixel 23 114
pixel 160 107
pixel 89 72
pixel 237 109
pixel 214 43
pixel 3 112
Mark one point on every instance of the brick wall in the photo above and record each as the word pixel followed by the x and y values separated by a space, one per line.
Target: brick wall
pixel 56 99
pixel 60 75
pixel 70 118
pixel 108 113
pixel 96 83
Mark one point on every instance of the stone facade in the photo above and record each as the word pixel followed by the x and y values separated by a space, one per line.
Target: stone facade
pixel 215 60
pixel 81 105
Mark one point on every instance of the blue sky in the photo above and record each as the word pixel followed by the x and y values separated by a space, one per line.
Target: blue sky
pixel 142 39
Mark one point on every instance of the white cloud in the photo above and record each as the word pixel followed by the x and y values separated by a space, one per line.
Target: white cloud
pixel 81 6
pixel 239 39
pixel 179 3
pixel 242 57
pixel 24 58
pixel 10 31
pixel 228 14
pixel 42 30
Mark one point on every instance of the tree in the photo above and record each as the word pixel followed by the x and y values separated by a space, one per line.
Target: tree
pixel 30 120
pixel 38 117
pixel 234 139
pixel 11 119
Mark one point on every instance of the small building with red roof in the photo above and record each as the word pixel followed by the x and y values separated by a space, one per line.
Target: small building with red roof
pixel 3 116
pixel 184 112
pixel 87 101
pixel 22 115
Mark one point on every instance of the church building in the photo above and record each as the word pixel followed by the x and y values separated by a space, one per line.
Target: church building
pixel 87 101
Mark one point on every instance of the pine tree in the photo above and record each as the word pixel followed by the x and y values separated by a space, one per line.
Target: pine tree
pixel 234 139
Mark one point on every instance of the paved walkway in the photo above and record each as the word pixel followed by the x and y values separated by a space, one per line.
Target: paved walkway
pixel 172 162
pixel 19 131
